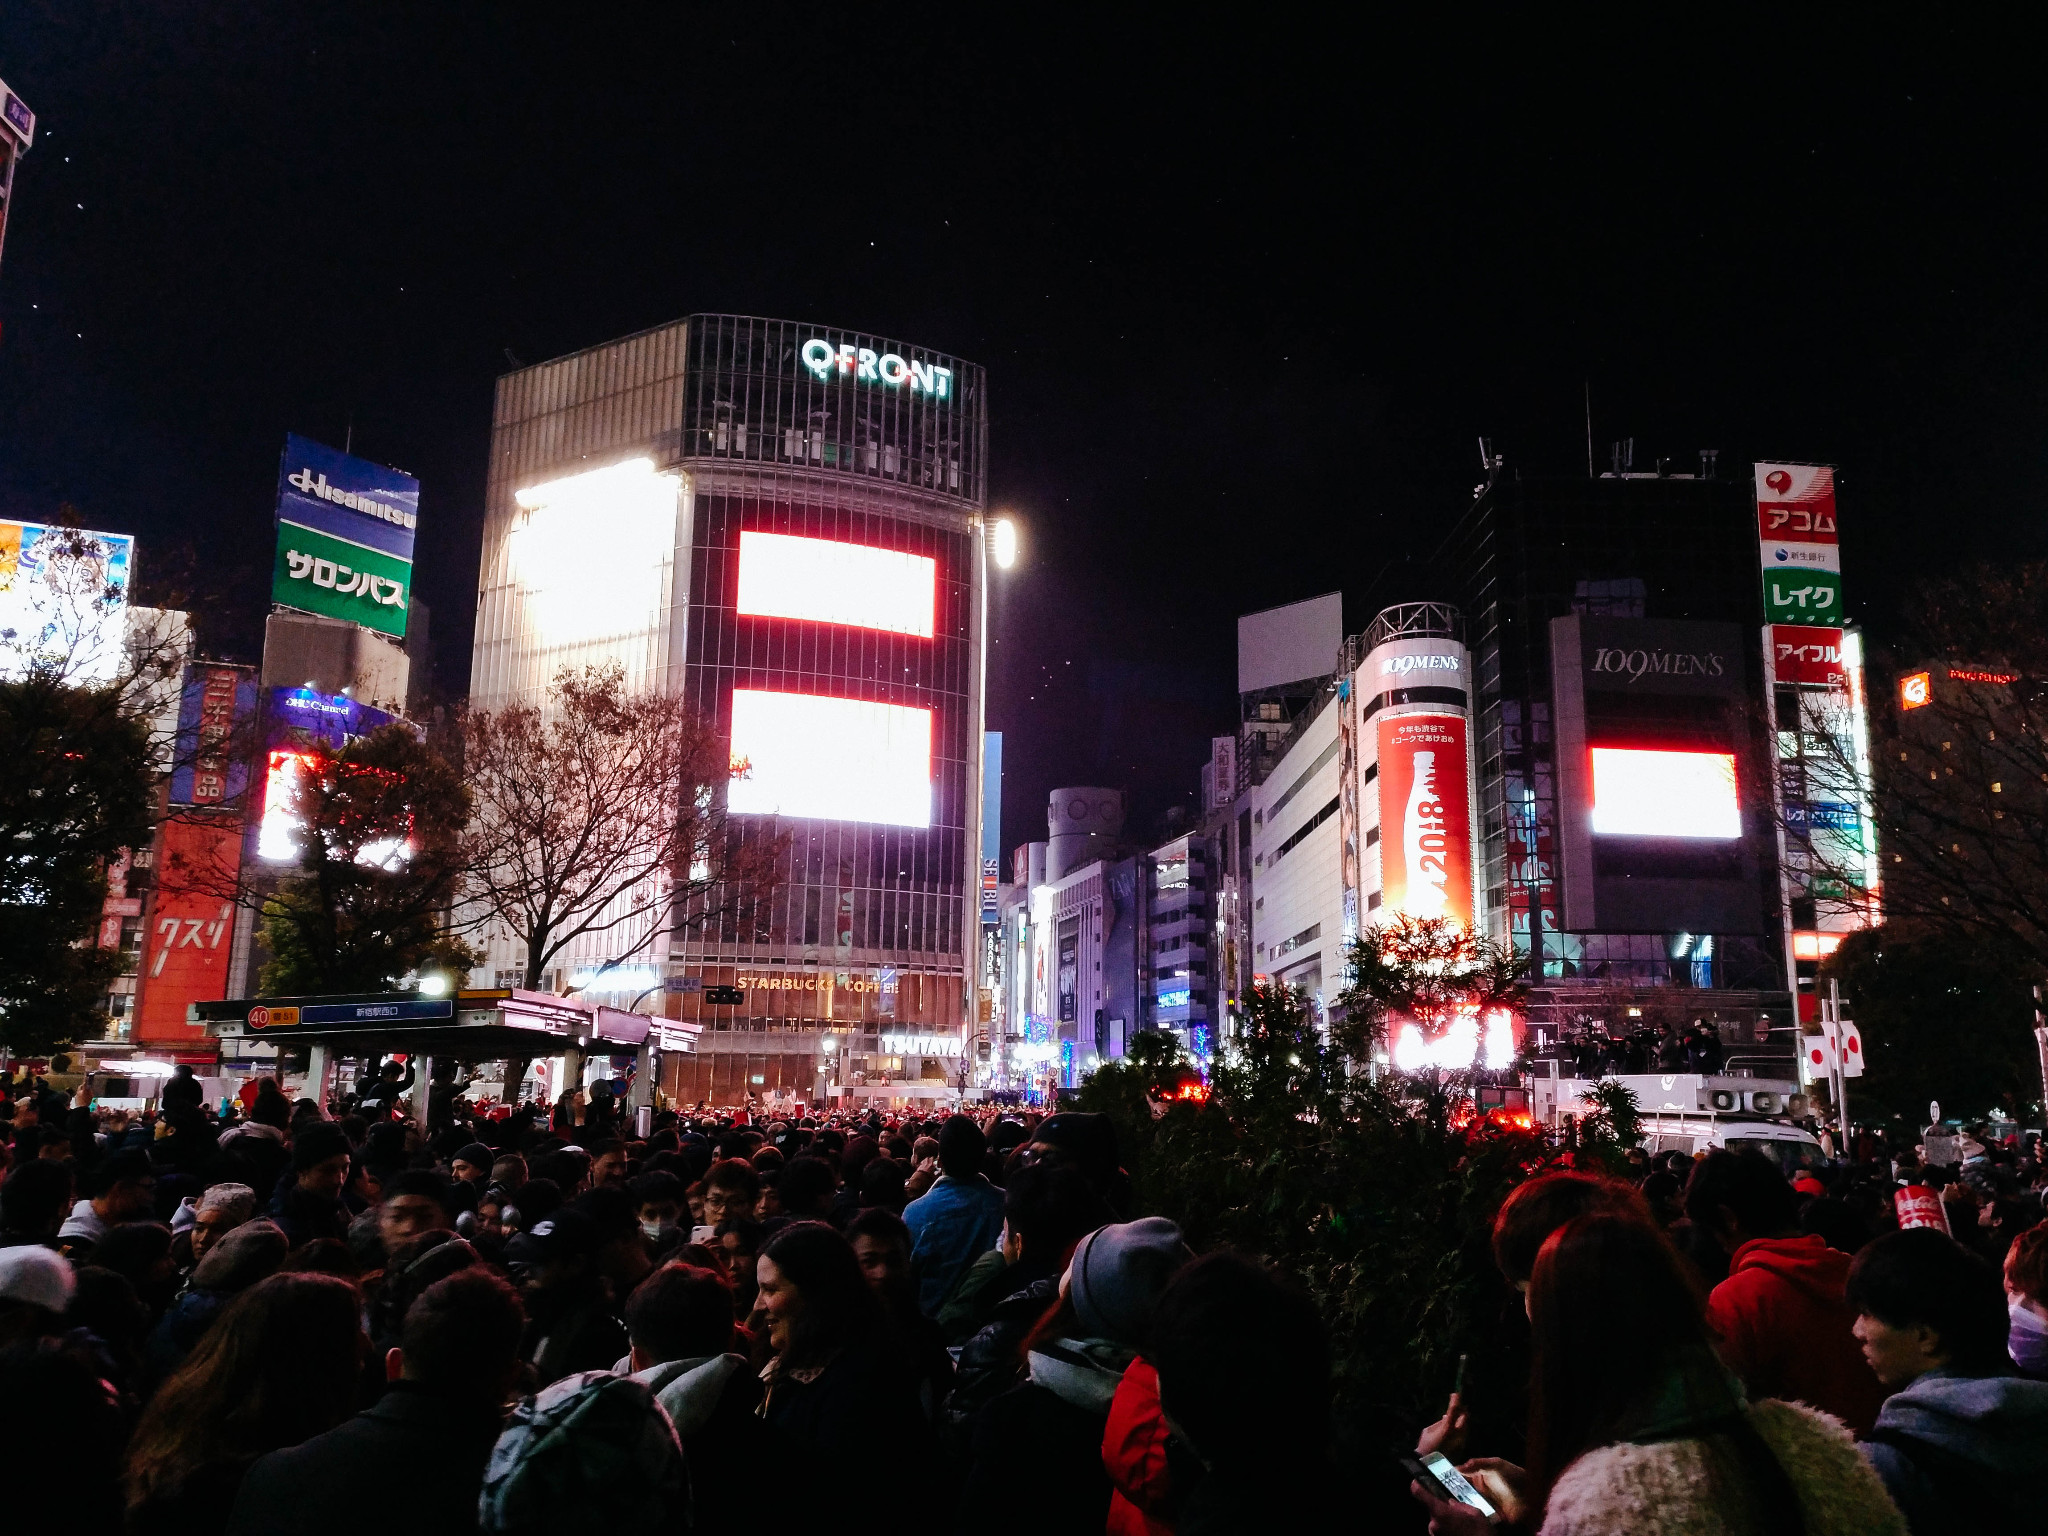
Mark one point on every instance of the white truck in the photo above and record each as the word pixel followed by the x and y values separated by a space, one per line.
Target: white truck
pixel 1691 1112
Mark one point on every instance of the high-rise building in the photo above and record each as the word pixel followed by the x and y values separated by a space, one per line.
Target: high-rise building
pixel 1624 768
pixel 784 523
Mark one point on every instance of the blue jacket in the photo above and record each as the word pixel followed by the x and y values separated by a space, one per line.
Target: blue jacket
pixel 1982 1435
pixel 951 1225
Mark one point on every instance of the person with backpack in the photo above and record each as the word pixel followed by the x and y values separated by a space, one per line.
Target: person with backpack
pixel 594 1452
pixel 1636 1428
pixel 1050 1428
pixel 1962 1441
pixel 685 1351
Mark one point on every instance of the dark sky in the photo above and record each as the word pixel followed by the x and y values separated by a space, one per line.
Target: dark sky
pixel 1248 288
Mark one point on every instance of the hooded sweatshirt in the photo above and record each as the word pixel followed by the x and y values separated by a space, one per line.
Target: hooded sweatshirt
pixel 1785 1328
pixel 1946 1440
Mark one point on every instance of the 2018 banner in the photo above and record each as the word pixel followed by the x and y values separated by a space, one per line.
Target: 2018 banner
pixel 1425 817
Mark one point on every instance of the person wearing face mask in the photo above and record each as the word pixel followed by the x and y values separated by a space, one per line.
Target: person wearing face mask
pixel 2026 1295
pixel 659 1199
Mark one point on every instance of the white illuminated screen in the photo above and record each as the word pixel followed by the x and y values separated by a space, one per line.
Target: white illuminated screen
pixel 594 549
pixel 802 754
pixel 786 577
pixel 1638 793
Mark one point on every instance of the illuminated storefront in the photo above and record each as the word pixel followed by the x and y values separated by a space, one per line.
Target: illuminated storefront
pixel 783 522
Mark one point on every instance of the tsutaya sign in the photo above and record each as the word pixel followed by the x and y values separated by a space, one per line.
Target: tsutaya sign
pixel 866 366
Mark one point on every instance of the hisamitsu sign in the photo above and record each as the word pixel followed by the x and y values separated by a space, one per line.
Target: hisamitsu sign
pixel 345 532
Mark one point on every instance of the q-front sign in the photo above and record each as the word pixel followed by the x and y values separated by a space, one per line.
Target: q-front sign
pixel 864 365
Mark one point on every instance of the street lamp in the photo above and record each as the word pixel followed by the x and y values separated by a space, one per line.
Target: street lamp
pixel 1004 543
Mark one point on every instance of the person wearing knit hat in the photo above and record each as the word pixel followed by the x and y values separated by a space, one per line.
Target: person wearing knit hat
pixel 310 1207
pixel 35 1287
pixel 1118 1272
pixel 1051 1430
pixel 472 1164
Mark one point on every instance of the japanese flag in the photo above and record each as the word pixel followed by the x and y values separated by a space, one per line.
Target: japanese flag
pixel 1817 1065
pixel 1851 1047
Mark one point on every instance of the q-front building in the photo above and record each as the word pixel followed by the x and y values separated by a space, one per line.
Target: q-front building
pixel 783 522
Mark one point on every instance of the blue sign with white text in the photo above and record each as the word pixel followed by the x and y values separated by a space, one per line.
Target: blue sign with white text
pixel 346 497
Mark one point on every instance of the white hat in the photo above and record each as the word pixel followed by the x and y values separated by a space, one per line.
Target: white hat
pixel 36 1274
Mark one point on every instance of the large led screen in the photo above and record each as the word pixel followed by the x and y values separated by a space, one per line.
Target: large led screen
pixel 1642 793
pixel 827 582
pixel 801 754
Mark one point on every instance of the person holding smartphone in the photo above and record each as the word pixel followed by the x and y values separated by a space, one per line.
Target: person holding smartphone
pixel 1636 1427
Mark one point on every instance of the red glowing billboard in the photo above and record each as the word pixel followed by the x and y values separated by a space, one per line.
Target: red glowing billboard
pixel 189 934
pixel 1425 817
pixel 1808 653
pixel 825 581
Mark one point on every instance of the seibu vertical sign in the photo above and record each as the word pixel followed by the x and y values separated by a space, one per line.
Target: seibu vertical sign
pixel 1425 817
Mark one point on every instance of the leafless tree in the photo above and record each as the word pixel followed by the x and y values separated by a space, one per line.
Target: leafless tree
pixel 599 815
pixel 1959 771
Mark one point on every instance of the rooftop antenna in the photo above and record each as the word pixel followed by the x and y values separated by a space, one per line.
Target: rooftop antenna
pixel 1589 429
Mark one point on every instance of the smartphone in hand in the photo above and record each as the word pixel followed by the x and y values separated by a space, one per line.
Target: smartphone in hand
pixel 1434 1470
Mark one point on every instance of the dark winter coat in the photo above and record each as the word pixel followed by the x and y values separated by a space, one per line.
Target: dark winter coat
pixel 424 1454
pixel 1045 1435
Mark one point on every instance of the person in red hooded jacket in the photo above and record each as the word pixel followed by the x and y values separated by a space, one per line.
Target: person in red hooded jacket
pixel 1134 1456
pixel 1784 1324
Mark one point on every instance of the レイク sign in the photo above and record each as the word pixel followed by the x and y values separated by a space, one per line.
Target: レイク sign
pixel 866 366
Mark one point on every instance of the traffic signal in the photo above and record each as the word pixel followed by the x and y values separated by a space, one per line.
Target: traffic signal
pixel 724 997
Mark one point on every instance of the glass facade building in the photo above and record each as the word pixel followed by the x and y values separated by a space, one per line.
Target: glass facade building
pixel 1623 548
pixel 783 522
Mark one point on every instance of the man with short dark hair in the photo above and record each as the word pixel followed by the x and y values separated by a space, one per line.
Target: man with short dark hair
pixel 415 1201
pixel 1962 1441
pixel 310 1205
pixel 680 1322
pixel 958 1220
pixel 732 1190
pixel 126 1188
pixel 1784 1325
pixel 424 1444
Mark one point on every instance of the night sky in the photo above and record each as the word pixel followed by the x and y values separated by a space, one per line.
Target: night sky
pixel 1247 293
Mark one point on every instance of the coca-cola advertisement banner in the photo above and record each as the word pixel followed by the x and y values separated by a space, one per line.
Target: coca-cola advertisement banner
pixel 1425 817
pixel 190 932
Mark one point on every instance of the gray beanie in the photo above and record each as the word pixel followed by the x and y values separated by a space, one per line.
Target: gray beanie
pixel 1117 1273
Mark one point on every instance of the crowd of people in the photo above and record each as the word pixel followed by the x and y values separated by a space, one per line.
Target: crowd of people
pixel 288 1316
